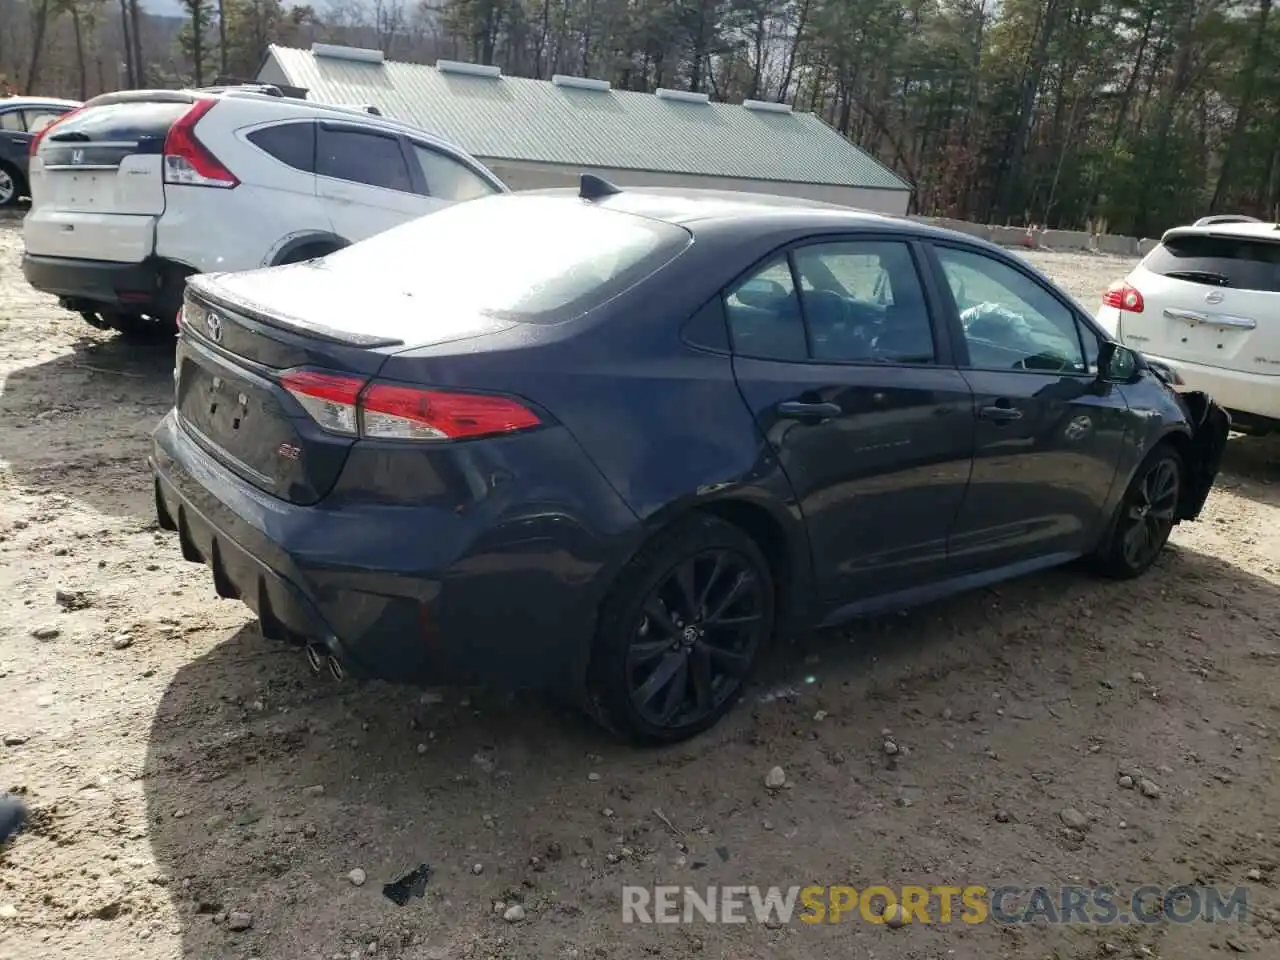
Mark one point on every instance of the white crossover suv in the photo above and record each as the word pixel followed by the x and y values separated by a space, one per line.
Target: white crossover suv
pixel 136 191
pixel 1206 303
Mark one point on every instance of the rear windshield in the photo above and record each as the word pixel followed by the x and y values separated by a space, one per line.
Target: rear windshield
pixel 121 122
pixel 1239 262
pixel 531 259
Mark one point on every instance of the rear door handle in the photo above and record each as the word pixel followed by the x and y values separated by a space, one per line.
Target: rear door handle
pixel 799 410
pixel 1000 414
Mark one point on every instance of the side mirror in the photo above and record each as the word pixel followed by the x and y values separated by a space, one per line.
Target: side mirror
pixel 1116 364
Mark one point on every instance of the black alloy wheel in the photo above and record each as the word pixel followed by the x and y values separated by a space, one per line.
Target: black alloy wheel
pixel 682 632
pixel 1146 516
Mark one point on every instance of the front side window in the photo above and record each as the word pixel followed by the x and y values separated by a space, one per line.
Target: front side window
pixel 1010 321
pixel 863 302
pixel 37 120
pixel 359 157
pixel 447 178
pixel 764 315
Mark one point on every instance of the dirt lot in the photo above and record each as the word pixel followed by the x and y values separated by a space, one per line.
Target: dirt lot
pixel 183 769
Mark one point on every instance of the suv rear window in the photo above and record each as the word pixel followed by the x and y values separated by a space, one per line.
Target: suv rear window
pixel 531 259
pixel 130 121
pixel 1220 261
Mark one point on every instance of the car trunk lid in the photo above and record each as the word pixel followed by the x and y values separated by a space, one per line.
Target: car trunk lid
pixel 244 337
pixel 1211 298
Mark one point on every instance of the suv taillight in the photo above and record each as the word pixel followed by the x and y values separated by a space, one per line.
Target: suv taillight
pixel 35 141
pixel 385 411
pixel 189 162
pixel 1123 296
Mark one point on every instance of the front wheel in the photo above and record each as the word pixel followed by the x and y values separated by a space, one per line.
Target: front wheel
pixel 1145 518
pixel 681 632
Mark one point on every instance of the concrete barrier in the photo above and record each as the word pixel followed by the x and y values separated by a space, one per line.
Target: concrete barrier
pixel 1113 244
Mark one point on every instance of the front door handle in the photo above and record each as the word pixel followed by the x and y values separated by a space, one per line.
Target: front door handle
pixel 799 410
pixel 1000 414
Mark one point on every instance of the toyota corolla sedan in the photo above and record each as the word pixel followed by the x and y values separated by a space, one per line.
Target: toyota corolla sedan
pixel 611 443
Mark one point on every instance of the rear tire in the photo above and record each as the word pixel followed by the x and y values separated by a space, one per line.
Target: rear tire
pixel 681 632
pixel 1144 518
pixel 12 185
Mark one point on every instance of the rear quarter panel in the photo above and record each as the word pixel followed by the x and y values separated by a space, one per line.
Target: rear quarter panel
pixel 662 420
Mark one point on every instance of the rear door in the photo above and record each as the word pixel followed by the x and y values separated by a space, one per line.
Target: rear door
pixel 97 182
pixel 1211 298
pixel 850 382
pixel 365 181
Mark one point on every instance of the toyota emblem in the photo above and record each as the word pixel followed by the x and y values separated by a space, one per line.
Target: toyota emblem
pixel 1213 296
pixel 214 323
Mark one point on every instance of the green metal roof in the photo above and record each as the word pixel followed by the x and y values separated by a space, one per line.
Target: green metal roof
pixel 516 118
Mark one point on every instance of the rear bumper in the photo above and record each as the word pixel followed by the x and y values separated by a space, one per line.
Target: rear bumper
pixel 1249 393
pixel 92 285
pixel 392 592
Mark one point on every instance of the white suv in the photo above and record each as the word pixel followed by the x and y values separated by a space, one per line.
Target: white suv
pixel 135 191
pixel 1206 302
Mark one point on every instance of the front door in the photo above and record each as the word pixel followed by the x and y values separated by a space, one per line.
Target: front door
pixel 1048 438
pixel 849 379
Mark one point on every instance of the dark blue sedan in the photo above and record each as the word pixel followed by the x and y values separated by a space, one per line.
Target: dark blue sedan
pixel 611 443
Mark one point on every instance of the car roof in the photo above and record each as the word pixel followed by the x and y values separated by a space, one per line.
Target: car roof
pixel 1258 230
pixel 693 207
pixel 309 107
pixel 37 102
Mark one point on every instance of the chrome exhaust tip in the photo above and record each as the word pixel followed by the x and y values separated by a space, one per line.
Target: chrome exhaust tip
pixel 335 668
pixel 315 657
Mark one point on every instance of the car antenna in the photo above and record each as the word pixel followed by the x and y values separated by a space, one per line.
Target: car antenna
pixel 592 187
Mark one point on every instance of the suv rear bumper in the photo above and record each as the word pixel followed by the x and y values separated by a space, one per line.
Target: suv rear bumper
pixel 93 285
pixel 1254 394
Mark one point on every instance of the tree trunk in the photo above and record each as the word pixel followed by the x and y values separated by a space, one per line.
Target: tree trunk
pixel 222 37
pixel 1022 126
pixel 135 29
pixel 126 36
pixel 39 22
pixel 81 67
pixel 1242 115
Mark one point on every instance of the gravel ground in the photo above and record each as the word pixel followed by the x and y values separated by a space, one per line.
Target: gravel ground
pixel 198 792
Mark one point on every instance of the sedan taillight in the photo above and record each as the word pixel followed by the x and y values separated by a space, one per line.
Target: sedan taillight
pixel 350 406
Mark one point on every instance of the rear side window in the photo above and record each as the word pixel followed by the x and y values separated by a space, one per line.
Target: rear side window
pixel 363 158
pixel 127 122
pixel 447 178
pixel 38 119
pixel 290 143
pixel 476 258
pixel 11 120
pixel 1219 261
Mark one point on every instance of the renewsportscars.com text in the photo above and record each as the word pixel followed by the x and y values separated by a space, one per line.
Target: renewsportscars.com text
pixel 937 904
